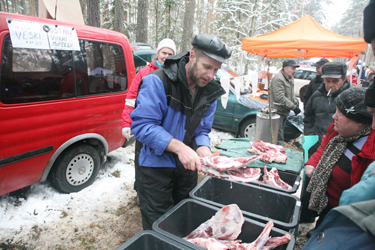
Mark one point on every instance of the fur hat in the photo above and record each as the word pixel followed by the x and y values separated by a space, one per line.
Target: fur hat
pixel 167 43
pixel 351 103
pixel 370 96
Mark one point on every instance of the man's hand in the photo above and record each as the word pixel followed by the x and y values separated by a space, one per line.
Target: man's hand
pixel 126 132
pixel 203 151
pixel 297 110
pixel 188 157
pixel 308 170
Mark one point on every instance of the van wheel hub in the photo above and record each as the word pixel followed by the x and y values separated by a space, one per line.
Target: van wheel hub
pixel 80 169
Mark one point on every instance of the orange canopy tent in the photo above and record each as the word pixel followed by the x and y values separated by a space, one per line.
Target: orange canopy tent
pixel 304 38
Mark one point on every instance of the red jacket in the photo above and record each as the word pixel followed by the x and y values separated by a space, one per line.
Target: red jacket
pixel 360 162
pixel 131 96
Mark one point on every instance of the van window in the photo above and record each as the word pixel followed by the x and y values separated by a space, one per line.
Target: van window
pixel 32 75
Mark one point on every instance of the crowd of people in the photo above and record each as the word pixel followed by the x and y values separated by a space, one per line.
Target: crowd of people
pixel 170 108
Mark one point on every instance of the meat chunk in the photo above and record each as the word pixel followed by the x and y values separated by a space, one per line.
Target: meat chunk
pixel 273 178
pixel 223 163
pixel 242 174
pixel 268 152
pixel 224 225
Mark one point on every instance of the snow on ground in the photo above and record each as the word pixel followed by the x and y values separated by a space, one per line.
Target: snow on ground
pixel 67 221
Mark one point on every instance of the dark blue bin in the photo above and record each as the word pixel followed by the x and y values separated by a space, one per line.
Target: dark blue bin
pixel 257 203
pixel 187 215
pixel 151 240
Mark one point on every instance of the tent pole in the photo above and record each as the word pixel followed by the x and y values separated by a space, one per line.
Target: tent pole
pixel 269 101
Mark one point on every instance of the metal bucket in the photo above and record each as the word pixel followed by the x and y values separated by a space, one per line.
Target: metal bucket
pixel 262 130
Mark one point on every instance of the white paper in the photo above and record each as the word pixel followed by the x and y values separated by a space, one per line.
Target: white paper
pixel 27 34
pixel 237 87
pixel 265 81
pixel 63 38
pixel 225 82
pixel 254 81
pixel 33 35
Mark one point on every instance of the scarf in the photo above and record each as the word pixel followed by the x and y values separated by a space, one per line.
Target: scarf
pixel 319 180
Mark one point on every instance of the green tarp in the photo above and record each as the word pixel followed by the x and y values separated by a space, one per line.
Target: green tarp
pixel 240 145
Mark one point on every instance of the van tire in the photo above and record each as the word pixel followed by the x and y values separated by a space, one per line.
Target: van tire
pixel 75 169
pixel 247 129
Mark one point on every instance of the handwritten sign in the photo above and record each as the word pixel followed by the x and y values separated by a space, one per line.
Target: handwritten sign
pixel 25 34
pixel 63 38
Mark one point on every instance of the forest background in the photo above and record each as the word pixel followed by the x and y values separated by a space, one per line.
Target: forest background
pixel 151 21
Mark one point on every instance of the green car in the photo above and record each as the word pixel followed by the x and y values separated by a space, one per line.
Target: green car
pixel 239 116
pixel 143 53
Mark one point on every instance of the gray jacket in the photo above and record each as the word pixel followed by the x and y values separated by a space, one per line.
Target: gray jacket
pixel 319 111
pixel 282 93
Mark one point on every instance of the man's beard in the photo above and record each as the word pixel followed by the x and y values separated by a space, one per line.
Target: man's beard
pixel 192 76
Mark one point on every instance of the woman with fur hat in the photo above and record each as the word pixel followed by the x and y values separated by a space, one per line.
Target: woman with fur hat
pixel 344 154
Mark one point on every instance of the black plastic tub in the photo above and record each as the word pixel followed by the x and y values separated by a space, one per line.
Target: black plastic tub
pixel 187 215
pixel 151 240
pixel 258 203
pixel 291 178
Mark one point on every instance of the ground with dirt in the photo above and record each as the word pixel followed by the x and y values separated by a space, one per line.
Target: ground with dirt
pixel 84 220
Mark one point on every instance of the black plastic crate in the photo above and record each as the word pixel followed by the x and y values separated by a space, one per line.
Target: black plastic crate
pixel 258 203
pixel 187 215
pixel 151 240
pixel 291 178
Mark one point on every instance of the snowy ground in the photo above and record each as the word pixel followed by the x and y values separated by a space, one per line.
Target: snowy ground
pixel 102 216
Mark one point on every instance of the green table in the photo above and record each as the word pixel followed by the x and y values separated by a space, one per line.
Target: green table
pixel 240 145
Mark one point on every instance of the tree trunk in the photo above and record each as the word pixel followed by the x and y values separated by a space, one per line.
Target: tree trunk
pixel 119 11
pixel 209 16
pixel 23 7
pixel 156 4
pixel 93 13
pixel 187 31
pixel 142 21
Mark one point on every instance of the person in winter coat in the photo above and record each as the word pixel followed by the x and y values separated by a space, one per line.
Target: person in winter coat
pixel 166 48
pixel 282 95
pixel 321 105
pixel 172 119
pixel 346 151
pixel 316 81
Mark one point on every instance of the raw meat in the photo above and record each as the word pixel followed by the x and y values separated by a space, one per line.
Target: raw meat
pixel 268 152
pixel 260 241
pixel 224 225
pixel 272 178
pixel 223 163
pixel 276 241
pixel 214 244
pixel 242 174
pixel 220 233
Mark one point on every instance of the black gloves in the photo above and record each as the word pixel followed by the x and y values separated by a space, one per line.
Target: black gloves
pixel 297 110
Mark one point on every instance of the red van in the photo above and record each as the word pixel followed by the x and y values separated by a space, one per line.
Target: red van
pixel 62 92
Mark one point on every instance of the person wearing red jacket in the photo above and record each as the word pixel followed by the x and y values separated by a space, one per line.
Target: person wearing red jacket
pixel 165 48
pixel 346 151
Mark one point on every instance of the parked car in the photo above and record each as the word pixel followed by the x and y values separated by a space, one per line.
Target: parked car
pixel 303 77
pixel 143 53
pixel 62 92
pixel 239 116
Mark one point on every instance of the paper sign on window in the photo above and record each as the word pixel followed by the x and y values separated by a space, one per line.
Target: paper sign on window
pixel 32 35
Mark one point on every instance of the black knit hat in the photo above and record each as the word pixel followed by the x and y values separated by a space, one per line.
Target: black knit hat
pixel 368 21
pixel 351 103
pixel 370 96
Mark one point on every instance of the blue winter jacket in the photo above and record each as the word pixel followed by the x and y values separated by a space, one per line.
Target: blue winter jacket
pixel 164 111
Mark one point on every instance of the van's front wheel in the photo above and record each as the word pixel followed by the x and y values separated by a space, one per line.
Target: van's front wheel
pixel 75 169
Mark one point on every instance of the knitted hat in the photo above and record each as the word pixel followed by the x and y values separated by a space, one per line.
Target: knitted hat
pixel 370 96
pixel 368 21
pixel 166 43
pixel 351 103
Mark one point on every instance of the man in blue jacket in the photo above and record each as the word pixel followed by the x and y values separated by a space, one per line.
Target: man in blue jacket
pixel 173 117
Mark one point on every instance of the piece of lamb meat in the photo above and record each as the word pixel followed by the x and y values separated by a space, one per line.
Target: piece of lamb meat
pixel 260 241
pixel 276 241
pixel 226 224
pixel 268 152
pixel 273 178
pixel 223 163
pixel 241 174
pixel 214 244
